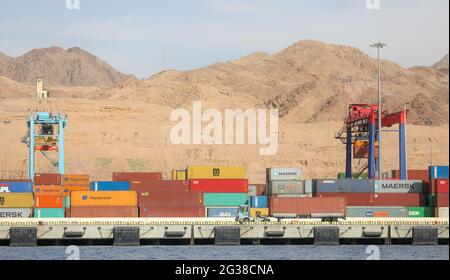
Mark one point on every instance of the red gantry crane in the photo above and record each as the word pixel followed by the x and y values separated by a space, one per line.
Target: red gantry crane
pixel 360 135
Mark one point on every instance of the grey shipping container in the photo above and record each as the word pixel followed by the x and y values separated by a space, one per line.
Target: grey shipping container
pixel 399 186
pixel 222 212
pixel 16 212
pixel 368 212
pixel 344 186
pixel 284 174
pixel 252 190
pixel 286 187
pixel 309 186
pixel 441 212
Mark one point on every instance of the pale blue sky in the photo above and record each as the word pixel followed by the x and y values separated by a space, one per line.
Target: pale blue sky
pixel 134 35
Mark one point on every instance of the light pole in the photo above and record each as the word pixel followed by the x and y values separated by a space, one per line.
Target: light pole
pixel 6 122
pixel 405 115
pixel 430 124
pixel 379 46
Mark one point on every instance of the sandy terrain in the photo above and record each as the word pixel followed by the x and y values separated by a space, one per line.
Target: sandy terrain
pixel 108 136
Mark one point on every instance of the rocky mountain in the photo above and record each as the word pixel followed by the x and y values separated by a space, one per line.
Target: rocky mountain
pixel 308 82
pixel 59 67
pixel 442 65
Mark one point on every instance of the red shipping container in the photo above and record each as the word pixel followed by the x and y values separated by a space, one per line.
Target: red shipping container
pixel 399 199
pixel 353 199
pixel 67 212
pixel 439 186
pixel 104 212
pixel 136 176
pixel 219 185
pixel 160 185
pixel 170 198
pixel 442 199
pixel 172 212
pixel 422 175
pixel 47 179
pixel 44 201
pixel 305 206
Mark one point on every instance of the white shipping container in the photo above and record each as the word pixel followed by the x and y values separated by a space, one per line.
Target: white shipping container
pixel 399 186
pixel 16 212
pixel 284 174
pixel 442 212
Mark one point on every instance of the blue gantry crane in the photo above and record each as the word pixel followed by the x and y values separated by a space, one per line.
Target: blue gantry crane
pixel 45 133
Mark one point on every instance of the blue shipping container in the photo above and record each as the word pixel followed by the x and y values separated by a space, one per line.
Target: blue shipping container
pixel 438 172
pixel 222 212
pixel 16 187
pixel 344 186
pixel 109 186
pixel 258 201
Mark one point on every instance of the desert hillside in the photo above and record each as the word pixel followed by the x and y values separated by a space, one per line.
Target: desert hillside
pixel 308 82
pixel 126 127
pixel 59 67
pixel 442 65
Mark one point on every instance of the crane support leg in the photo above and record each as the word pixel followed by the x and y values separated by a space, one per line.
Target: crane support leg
pixel 31 151
pixel 348 154
pixel 402 142
pixel 371 163
pixel 61 147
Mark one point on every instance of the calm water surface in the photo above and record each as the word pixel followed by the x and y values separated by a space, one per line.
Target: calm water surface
pixel 283 252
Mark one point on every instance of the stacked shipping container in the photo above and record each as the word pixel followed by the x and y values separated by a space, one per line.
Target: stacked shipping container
pixel 284 186
pixel 16 199
pixel 368 198
pixel 439 190
pixel 48 196
pixel 292 197
pixel 104 199
pixel 217 191
pixel 72 183
pixel 224 188
pixel 163 198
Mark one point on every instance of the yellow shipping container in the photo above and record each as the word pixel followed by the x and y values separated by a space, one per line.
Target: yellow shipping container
pixel 181 175
pixel 216 172
pixel 255 212
pixel 103 198
pixel 75 180
pixel 16 200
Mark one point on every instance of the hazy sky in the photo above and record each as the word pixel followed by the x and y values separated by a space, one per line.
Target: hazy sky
pixel 144 37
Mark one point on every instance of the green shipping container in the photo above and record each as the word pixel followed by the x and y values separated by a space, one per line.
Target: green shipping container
pixel 431 200
pixel 49 213
pixel 225 199
pixel 354 175
pixel 66 202
pixel 421 212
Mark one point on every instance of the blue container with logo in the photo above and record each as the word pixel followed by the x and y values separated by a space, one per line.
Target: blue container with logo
pixel 222 212
pixel 438 172
pixel 109 186
pixel 258 201
pixel 16 187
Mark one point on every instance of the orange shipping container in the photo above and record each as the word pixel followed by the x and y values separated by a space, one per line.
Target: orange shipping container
pixel 103 198
pixel 75 180
pixel 48 190
pixel 68 189
pixel 46 201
